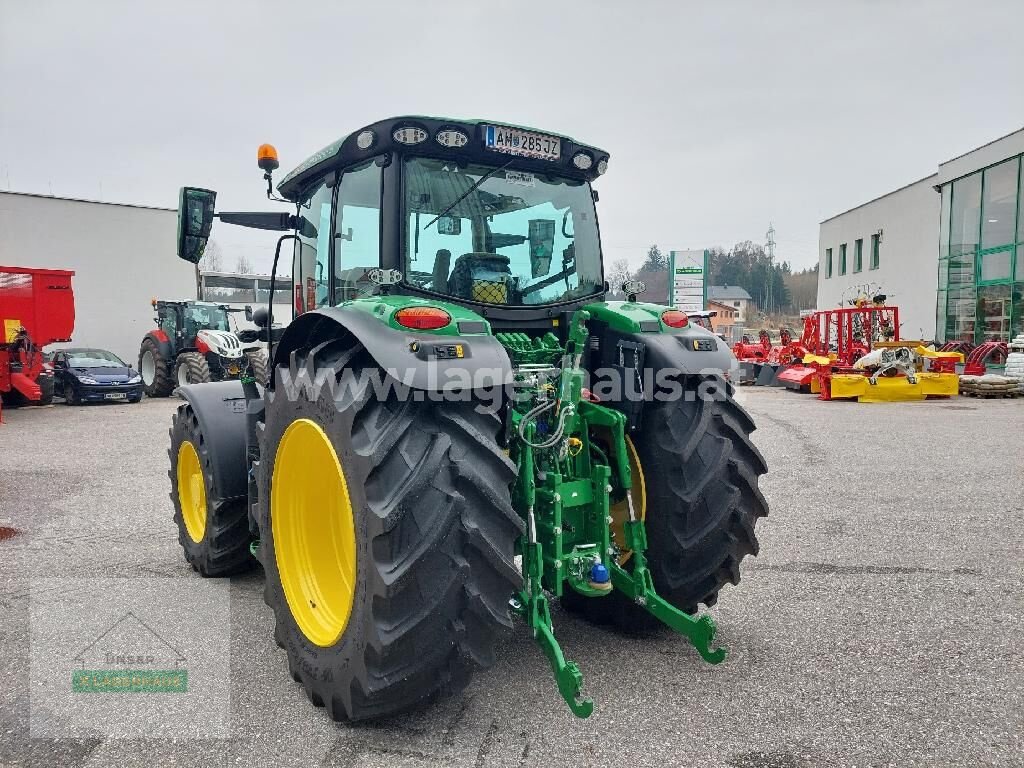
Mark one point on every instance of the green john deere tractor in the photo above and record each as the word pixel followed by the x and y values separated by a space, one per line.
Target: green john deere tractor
pixel 458 428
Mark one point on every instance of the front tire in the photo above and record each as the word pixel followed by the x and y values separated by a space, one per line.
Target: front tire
pixel 213 530
pixel 433 536
pixel 191 368
pixel 258 365
pixel 701 474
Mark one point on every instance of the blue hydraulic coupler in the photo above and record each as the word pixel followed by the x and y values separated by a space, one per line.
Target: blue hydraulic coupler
pixel 599 577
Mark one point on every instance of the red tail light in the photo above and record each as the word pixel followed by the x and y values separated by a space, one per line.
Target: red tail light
pixel 299 307
pixel 673 318
pixel 422 318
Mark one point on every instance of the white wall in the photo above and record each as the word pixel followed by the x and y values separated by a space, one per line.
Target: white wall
pixel 122 256
pixel 989 154
pixel 908 254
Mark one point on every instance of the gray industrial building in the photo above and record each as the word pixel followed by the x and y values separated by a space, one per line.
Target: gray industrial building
pixel 948 249
pixel 123 256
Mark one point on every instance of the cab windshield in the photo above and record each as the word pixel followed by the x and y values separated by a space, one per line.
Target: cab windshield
pixel 204 317
pixel 493 234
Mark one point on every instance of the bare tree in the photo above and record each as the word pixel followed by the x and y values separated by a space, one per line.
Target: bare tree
pixel 212 260
pixel 243 266
pixel 618 273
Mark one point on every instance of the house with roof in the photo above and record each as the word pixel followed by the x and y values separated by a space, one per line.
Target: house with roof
pixel 732 296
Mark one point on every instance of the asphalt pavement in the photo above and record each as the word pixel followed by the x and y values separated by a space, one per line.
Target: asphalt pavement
pixel 880 625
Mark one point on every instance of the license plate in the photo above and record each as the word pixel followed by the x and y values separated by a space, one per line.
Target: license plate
pixel 513 141
pixel 116 396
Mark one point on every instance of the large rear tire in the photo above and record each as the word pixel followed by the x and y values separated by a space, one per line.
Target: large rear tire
pixel 191 368
pixel 701 474
pixel 417 494
pixel 213 530
pixel 155 370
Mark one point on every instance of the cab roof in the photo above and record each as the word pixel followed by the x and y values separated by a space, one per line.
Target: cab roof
pixel 345 151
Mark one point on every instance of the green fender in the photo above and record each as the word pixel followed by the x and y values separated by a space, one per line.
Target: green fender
pixel 464 352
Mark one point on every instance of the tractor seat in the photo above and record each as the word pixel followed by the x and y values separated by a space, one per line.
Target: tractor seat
pixel 483 277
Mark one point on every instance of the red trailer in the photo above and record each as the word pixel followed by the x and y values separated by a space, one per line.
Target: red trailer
pixel 37 307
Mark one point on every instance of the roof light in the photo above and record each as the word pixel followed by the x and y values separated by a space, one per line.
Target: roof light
pixel 452 139
pixel 602 166
pixel 266 157
pixel 365 140
pixel 422 318
pixel 409 135
pixel 582 160
pixel 673 318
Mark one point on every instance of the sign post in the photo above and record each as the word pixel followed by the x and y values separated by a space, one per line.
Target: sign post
pixel 688 286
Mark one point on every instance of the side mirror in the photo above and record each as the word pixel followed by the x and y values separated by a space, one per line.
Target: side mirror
pixel 195 219
pixel 259 317
pixel 248 312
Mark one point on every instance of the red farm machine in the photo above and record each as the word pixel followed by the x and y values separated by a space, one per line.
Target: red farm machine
pixel 856 353
pixel 762 362
pixel 37 307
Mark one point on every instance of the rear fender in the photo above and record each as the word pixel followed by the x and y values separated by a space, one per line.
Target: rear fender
pixel 220 407
pixel 426 361
pixel 163 343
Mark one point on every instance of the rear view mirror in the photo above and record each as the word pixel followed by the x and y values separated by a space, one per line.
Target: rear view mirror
pixel 195 219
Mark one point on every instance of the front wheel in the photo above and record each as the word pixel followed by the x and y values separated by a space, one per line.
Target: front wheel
pixel 699 471
pixel 387 535
pixel 257 365
pixel 213 531
pixel 191 368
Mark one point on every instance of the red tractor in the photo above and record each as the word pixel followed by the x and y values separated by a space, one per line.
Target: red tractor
pixel 37 307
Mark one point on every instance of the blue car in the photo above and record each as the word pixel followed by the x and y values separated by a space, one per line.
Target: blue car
pixel 94 376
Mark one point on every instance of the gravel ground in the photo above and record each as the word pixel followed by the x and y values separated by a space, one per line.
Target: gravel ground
pixel 880 625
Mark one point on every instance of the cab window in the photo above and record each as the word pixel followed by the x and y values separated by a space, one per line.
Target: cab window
pixel 312 254
pixel 357 232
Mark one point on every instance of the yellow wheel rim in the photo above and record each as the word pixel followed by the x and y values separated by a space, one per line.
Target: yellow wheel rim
pixel 191 492
pixel 314 532
pixel 620 511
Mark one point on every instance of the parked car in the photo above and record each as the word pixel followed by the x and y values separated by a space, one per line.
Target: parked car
pixel 94 375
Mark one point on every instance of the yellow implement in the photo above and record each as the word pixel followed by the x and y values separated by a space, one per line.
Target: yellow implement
pixel 893 389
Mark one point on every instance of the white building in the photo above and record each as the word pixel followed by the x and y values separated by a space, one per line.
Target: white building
pixel 731 296
pixel 123 256
pixel 948 250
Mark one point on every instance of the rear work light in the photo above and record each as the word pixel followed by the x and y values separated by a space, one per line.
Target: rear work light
pixel 673 318
pixel 422 318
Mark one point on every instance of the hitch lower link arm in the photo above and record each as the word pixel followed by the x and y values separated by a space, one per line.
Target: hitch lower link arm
pixel 534 603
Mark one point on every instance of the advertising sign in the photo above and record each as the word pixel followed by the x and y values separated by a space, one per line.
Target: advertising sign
pixel 688 283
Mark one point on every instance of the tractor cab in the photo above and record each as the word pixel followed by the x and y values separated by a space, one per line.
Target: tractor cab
pixel 499 219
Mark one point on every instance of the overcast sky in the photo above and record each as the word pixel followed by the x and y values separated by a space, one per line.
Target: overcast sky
pixel 720 116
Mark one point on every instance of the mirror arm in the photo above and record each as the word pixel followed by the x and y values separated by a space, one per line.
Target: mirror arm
pixel 270 304
pixel 276 222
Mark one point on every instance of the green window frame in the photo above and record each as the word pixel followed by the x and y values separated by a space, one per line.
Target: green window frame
pixel 876 240
pixel 858 254
pixel 828 263
pixel 842 259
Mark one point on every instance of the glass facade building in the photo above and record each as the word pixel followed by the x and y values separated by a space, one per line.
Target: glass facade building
pixel 981 255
